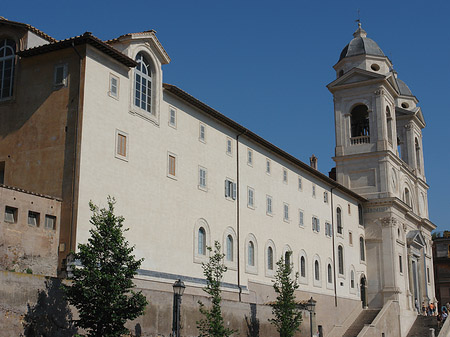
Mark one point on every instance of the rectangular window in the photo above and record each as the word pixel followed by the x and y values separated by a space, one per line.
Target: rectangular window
pixel 250 197
pixel 10 214
pixel 400 264
pixel 286 212
pixel 285 176
pixel 325 197
pixel 202 177
pixel 269 204
pixel 202 133
pixel 172 162
pixel 50 221
pixel 229 147
pixel 328 229
pixel 428 275
pixel 249 157
pixel 301 221
pixel 267 166
pixel 314 191
pixel 172 117
pixel 122 145
pixel 315 224
pixel 230 189
pixel 349 209
pixel 299 183
pixel 113 86
pixel 350 238
pixel 60 77
pixel 33 218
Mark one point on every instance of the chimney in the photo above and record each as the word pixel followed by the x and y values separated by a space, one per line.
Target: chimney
pixel 313 162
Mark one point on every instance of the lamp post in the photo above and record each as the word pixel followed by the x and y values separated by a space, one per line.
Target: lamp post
pixel 310 306
pixel 178 290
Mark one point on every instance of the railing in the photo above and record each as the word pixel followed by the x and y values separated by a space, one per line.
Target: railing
pixel 360 140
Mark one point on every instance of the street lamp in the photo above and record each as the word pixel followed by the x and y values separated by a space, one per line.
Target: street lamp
pixel 311 306
pixel 178 290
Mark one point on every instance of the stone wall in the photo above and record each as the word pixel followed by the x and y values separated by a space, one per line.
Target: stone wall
pixel 33 303
pixel 28 246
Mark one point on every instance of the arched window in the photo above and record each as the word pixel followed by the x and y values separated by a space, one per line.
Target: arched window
pixel 362 249
pixel 316 271
pixel 143 84
pixel 270 258
pixel 352 279
pixel 339 220
pixel 341 260
pixel 389 124
pixel 302 267
pixel 251 254
pixel 407 197
pixel 360 215
pixel 417 154
pixel 201 241
pixel 360 123
pixel 287 257
pixel 330 274
pixel 229 254
pixel 7 59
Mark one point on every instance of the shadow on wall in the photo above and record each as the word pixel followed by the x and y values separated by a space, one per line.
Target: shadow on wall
pixel 253 322
pixel 51 316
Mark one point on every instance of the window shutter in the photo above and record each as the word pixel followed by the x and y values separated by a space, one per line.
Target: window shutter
pixel 234 191
pixel 227 191
pixel 318 225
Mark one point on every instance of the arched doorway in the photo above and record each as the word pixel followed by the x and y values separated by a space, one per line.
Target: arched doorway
pixel 363 291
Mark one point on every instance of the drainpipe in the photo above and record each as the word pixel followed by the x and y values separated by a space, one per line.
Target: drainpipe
pixel 238 217
pixel 74 168
pixel 334 250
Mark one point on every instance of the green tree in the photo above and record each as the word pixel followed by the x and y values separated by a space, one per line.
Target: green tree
pixel 287 314
pixel 101 288
pixel 212 324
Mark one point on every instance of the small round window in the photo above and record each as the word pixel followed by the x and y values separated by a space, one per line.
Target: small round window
pixel 375 67
pixel 405 105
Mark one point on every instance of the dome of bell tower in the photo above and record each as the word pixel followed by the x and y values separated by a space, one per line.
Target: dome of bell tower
pixel 361 45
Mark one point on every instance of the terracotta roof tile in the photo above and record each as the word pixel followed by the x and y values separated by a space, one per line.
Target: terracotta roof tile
pixel 86 38
pixel 29 27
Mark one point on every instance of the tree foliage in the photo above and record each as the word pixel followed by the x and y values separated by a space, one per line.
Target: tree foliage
pixel 287 314
pixel 212 324
pixel 101 288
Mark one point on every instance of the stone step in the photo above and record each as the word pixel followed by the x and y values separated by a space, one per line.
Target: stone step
pixel 365 317
pixel 422 325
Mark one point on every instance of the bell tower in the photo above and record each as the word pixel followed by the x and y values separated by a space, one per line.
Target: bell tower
pixel 377 123
pixel 378 154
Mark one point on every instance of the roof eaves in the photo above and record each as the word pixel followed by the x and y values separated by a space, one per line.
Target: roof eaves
pixel 251 135
pixel 29 192
pixel 86 38
pixel 29 27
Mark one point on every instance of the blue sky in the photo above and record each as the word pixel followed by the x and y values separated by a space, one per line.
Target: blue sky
pixel 265 64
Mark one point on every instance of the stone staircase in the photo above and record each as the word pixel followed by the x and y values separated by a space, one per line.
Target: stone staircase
pixel 365 317
pixel 422 325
